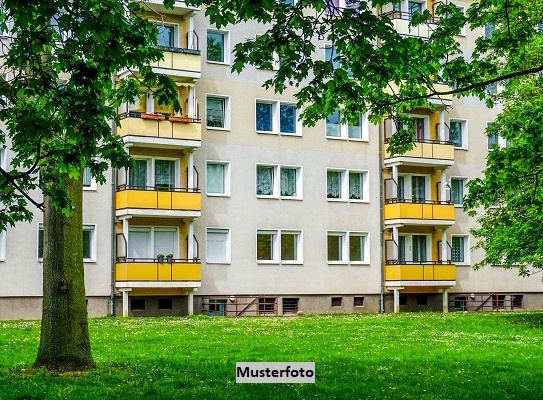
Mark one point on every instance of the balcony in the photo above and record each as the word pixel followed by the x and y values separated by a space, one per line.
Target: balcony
pixel 179 7
pixel 408 212
pixel 427 272
pixel 151 201
pixel 180 63
pixel 400 21
pixel 158 130
pixel 151 273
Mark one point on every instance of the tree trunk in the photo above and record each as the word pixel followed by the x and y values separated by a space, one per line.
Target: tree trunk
pixel 64 340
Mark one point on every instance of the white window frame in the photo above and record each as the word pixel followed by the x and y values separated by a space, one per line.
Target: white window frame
pixel 467 252
pixel 345 250
pixel 176 35
pixel 464 180
pixel 409 245
pixel 344 130
pixel 276 192
pixel 226 177
pixel 93 185
pixel 276 117
pixel 226 46
pixel 463 28
pixel 227 111
pixel 501 141
pixel 276 62
pixel 344 185
pixel 408 192
pixel 228 255
pixel 3 246
pixel 150 178
pixel 276 237
pixel 152 230
pixel 93 244
pixel 464 123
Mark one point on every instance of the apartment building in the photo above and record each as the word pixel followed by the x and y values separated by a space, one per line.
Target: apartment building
pixel 234 208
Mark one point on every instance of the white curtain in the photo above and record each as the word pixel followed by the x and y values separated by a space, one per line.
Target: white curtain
pixel 165 174
pixel 138 174
pixel 355 185
pixel 333 185
pixel 288 182
pixel 264 181
pixel 216 246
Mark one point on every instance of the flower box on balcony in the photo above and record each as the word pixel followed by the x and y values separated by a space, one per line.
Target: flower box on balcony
pixel 175 118
pixel 157 117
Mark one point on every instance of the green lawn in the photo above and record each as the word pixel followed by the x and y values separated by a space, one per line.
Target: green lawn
pixel 408 356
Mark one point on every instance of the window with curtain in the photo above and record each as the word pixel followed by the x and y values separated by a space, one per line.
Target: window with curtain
pixel 265 246
pixel 419 248
pixel 418 189
pixel 138 175
pixel 458 249
pixel 419 128
pixel 356 185
pixel 401 249
pixel 401 187
pixel 333 182
pixel 165 174
pixel 264 180
pixel 264 117
pixel 333 125
pixel 288 182
pixel 215 178
pixel 287 118
pixel 457 187
pixel 357 245
pixel 215 112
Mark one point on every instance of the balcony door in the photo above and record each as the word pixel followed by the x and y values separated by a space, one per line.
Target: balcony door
pixel 164 174
pixel 420 251
pixel 414 248
pixel 401 249
pixel 418 188
pixel 148 242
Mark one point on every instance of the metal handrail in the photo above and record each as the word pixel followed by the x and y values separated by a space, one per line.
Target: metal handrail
pixel 397 14
pixel 179 50
pixel 417 263
pixel 155 260
pixel 158 189
pixel 137 114
pixel 416 201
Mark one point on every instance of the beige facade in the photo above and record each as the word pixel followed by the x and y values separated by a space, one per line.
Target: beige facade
pixel 264 216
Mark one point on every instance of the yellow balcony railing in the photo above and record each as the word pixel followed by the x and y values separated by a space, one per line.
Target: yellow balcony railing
pixel 441 211
pixel 180 60
pixel 160 126
pixel 443 151
pixel 156 199
pixel 420 272
pixel 152 271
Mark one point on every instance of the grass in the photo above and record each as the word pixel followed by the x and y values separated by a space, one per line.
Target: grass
pixel 405 356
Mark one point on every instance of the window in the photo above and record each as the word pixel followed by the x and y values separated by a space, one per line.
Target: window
pixel 457 190
pixel 331 56
pixel 279 246
pixel 137 304
pixel 460 303
pixel 290 305
pixel 352 131
pixel 516 301
pixel 460 249
pixel 498 302
pixel 337 301
pixel 279 181
pixel 354 188
pixel 218 178
pixel 267 305
pixel 272 116
pixel 167 35
pixel 217 112
pixel 334 184
pixel 422 300
pixel 165 177
pixel 359 301
pixel 458 133
pixel 89 243
pixel 217 307
pixel 218 47
pixel 165 304
pixel 462 30
pixel 403 300
pixel 348 247
pixel 414 7
pixel 88 181
pixel 356 185
pixel 492 142
pixel 218 246
pixel 489 28
pixel 146 242
pixel 3 245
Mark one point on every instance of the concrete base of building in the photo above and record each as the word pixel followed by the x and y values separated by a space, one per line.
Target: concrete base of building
pixel 31 307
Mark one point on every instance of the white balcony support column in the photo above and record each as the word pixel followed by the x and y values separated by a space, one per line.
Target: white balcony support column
pixel 190 241
pixel 125 291
pixel 443 185
pixel 191 99
pixel 395 237
pixel 442 125
pixel 190 35
pixel 445 300
pixel 190 172
pixel 125 230
pixel 444 246
pixel 395 178
pixel 191 302
pixel 396 301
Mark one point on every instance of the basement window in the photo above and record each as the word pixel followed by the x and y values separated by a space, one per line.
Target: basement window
pixel 336 301
pixel 137 304
pixel 359 301
pixel 165 304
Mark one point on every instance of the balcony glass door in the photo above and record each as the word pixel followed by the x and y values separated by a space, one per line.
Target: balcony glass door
pixel 401 188
pixel 414 7
pixel 139 240
pixel 138 175
pixel 419 248
pixel 418 189
pixel 165 241
pixel 401 249
pixel 165 174
pixel 420 133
